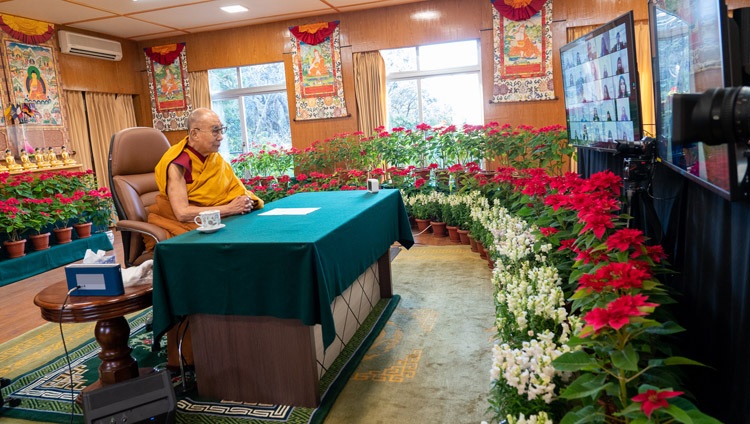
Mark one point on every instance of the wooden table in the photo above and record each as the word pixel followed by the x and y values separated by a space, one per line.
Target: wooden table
pixel 112 329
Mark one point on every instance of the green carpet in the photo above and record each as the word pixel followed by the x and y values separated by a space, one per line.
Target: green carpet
pixel 46 396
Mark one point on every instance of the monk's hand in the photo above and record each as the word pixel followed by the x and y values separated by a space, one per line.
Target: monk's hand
pixel 247 204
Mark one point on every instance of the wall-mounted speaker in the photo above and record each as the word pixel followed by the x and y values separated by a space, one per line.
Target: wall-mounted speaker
pixel 148 398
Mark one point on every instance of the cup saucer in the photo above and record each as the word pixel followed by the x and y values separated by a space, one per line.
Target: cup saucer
pixel 210 230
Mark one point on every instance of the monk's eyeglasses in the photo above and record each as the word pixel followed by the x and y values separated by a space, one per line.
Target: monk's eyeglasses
pixel 215 130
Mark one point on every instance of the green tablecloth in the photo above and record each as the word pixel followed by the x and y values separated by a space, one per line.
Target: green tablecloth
pixel 281 266
pixel 12 270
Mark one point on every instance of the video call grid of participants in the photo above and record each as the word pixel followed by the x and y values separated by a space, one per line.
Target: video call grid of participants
pixel 597 89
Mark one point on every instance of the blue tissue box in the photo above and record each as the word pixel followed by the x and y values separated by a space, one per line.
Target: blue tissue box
pixel 95 279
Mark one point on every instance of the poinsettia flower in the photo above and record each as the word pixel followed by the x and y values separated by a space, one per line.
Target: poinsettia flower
pixel 548 231
pixel 624 238
pixel 591 256
pixel 652 400
pixel 618 312
pixel 597 223
pixel 419 182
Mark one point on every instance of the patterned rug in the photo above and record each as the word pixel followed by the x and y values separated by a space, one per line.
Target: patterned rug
pixel 45 392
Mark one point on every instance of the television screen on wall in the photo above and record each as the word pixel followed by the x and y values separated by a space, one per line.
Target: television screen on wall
pixel 600 79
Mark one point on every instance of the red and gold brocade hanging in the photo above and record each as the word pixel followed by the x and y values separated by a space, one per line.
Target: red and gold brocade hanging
pixel 25 30
pixel 518 10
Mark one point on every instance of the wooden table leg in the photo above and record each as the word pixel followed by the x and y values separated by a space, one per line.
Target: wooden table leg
pixel 117 364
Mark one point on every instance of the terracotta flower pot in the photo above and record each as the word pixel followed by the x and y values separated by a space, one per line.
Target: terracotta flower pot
pixel 482 252
pixel 63 235
pixel 15 249
pixel 422 224
pixel 473 243
pixel 453 234
pixel 463 235
pixel 438 229
pixel 40 241
pixel 83 230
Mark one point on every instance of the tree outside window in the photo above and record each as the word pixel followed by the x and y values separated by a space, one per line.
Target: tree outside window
pixel 252 103
pixel 437 84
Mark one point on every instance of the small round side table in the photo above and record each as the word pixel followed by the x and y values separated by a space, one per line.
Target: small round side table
pixel 112 329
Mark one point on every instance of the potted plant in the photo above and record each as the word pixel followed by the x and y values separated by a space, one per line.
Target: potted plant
pixel 39 221
pixel 62 211
pixel 96 207
pixel 13 220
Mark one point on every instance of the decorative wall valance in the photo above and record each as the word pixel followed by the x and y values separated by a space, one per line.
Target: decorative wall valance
pixel 314 33
pixel 518 10
pixel 26 30
pixel 164 55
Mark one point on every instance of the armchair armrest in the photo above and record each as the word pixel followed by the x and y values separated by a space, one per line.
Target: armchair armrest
pixel 156 232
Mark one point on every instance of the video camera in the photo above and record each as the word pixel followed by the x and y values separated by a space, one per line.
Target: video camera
pixel 638 161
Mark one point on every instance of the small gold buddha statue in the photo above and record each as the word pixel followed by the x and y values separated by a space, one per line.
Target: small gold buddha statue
pixel 10 161
pixel 52 157
pixel 67 160
pixel 25 162
pixel 41 158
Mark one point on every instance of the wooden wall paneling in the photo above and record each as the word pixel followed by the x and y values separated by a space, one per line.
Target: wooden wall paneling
pixel 103 76
pixel 399 26
pixel 580 13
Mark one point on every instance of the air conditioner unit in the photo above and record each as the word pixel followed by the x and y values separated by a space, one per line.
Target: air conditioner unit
pixel 86 45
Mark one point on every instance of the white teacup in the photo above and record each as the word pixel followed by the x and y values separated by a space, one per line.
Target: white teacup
pixel 208 219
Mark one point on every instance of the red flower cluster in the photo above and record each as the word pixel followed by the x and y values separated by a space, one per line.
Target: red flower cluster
pixel 618 313
pixel 615 276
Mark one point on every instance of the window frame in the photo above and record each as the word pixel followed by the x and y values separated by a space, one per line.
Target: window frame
pixel 418 75
pixel 238 94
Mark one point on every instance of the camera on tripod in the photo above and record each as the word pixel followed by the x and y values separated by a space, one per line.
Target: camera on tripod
pixel 638 161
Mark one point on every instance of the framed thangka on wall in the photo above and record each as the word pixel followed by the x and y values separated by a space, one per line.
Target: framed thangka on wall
pixel 522 50
pixel 32 83
pixel 316 60
pixel 169 84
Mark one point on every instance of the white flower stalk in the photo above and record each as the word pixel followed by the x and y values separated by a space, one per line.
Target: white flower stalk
pixel 541 418
pixel 529 368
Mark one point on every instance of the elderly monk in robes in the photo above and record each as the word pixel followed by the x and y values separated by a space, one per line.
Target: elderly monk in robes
pixel 193 177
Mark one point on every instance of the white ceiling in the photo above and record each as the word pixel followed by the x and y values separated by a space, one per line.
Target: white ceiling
pixel 146 19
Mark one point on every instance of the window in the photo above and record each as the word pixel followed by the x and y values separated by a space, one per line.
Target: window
pixel 437 84
pixel 252 103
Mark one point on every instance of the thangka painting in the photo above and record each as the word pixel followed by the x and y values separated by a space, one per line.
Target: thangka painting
pixel 522 52
pixel 33 84
pixel 316 61
pixel 169 85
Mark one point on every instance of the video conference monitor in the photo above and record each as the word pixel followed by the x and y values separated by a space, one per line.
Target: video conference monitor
pixel 690 48
pixel 600 79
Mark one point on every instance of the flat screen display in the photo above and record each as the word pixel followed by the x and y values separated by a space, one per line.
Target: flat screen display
pixel 602 102
pixel 689 55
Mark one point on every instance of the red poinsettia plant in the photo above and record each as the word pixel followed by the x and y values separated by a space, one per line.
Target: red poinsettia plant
pixel 613 286
pixel 14 219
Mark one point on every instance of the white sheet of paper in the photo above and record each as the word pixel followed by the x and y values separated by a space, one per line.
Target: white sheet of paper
pixel 290 211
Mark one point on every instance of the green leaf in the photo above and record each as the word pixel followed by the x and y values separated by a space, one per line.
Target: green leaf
pixel 680 360
pixel 678 414
pixel 588 414
pixel 701 418
pixel 574 361
pixel 585 385
pixel 668 327
pixel 626 359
